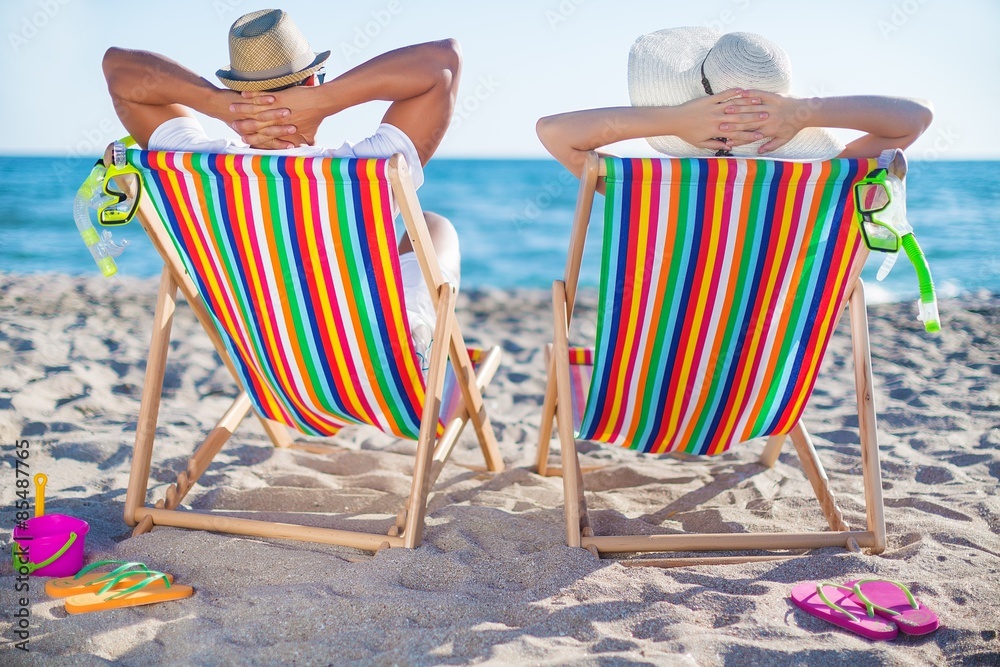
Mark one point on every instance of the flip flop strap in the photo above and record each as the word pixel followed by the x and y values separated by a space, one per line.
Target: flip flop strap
pixel 154 576
pixel 126 570
pixel 861 596
pixel 836 607
pixel 95 565
pixel 124 566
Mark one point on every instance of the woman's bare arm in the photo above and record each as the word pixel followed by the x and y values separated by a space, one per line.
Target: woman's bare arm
pixel 570 136
pixel 889 122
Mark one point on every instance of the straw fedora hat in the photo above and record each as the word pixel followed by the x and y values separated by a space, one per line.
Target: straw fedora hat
pixel 266 51
pixel 666 68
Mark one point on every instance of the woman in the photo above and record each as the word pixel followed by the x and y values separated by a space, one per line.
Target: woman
pixel 696 93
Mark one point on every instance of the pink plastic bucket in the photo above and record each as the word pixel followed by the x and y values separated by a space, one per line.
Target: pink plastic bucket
pixel 53 544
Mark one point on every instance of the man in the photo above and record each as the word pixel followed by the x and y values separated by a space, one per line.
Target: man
pixel 283 103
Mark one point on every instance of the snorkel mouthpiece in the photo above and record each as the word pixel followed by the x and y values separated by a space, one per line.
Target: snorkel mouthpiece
pixel 118 154
pixel 928 300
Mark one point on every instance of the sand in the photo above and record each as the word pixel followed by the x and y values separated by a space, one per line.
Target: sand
pixel 493 582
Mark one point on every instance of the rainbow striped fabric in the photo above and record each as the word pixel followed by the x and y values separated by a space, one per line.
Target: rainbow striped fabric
pixel 721 283
pixel 295 258
pixel 581 373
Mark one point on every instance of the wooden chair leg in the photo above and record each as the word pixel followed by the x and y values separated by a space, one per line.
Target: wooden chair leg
pixel 278 433
pixel 543 465
pixel 867 420
pixel 564 417
pixel 207 451
pixel 144 526
pixel 465 374
pixel 442 450
pixel 545 428
pixel 581 500
pixel 485 371
pixel 770 454
pixel 420 487
pixel 817 477
pixel 152 390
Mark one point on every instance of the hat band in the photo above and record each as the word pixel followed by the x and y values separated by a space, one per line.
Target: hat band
pixel 708 91
pixel 298 64
pixel 704 79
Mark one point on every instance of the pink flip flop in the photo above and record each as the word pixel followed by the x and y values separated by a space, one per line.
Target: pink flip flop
pixel 892 600
pixel 836 604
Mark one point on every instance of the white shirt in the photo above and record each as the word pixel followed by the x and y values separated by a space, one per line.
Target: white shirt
pixel 186 134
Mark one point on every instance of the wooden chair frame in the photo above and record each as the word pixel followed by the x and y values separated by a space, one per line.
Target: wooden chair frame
pixel 431 452
pixel 579 532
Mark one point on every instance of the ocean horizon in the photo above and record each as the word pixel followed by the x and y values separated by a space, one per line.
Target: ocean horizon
pixel 514 218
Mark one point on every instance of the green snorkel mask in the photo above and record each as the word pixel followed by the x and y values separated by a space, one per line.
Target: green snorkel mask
pixel 880 202
pixel 119 209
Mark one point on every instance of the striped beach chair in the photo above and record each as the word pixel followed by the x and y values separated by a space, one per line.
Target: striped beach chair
pixel 291 266
pixel 722 281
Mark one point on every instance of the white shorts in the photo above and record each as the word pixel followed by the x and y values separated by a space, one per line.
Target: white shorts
pixel 419 306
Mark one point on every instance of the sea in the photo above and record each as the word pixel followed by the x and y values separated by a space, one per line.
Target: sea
pixel 514 218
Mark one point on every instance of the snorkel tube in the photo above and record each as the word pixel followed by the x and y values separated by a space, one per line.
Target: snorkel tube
pixel 928 298
pixel 895 216
pixel 90 195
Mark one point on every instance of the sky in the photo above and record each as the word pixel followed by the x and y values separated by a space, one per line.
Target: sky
pixel 522 60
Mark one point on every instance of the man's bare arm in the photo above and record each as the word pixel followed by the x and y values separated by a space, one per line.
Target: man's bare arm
pixel 148 89
pixel 421 81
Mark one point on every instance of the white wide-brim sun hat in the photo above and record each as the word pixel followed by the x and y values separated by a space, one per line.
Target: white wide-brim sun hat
pixel 665 68
pixel 268 51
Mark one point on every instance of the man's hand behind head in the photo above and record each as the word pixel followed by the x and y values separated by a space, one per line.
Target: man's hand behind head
pixel 278 120
pixel 261 125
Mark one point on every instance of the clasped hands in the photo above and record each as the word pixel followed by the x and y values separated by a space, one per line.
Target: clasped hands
pixel 289 118
pixel 277 120
pixel 737 117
